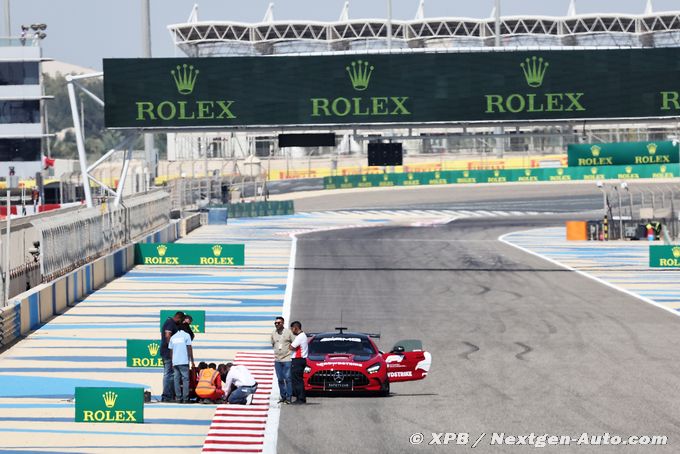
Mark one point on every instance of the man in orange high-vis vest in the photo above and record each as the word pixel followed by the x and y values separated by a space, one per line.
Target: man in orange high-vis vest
pixel 209 387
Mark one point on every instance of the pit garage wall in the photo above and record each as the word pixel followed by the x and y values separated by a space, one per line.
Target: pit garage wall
pixel 32 309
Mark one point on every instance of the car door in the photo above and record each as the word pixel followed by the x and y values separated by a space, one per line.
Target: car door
pixel 407 361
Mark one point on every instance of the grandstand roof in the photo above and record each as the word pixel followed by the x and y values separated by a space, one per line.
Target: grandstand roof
pixel 215 38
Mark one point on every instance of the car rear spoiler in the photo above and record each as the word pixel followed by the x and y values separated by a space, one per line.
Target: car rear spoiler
pixel 373 335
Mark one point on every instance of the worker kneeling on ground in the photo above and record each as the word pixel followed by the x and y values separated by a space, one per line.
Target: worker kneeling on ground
pixel 209 386
pixel 240 384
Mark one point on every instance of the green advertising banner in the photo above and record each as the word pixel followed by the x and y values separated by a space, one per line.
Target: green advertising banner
pixel 143 353
pixel 110 405
pixel 630 172
pixel 664 256
pixel 198 317
pixel 418 87
pixel 255 209
pixel 622 153
pixel 184 254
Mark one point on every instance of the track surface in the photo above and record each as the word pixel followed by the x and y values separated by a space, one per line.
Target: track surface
pixel 519 345
pixel 539 197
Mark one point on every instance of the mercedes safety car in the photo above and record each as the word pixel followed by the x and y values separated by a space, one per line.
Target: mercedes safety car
pixel 351 362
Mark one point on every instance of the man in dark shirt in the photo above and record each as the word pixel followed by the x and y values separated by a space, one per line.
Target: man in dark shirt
pixel 186 325
pixel 170 327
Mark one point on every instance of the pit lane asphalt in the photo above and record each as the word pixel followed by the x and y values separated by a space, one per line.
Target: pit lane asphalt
pixel 519 345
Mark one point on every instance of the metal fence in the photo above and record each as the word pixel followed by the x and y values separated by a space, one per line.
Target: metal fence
pixel 197 192
pixel 630 205
pixel 69 241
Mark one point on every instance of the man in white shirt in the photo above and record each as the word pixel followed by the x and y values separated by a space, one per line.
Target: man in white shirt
pixel 182 354
pixel 299 362
pixel 239 385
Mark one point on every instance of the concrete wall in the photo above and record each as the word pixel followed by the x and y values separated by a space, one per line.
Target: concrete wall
pixel 32 309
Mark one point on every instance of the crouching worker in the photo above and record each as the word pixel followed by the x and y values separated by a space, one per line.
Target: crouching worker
pixel 209 387
pixel 240 385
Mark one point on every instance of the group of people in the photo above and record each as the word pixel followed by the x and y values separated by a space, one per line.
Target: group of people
pixel 290 360
pixel 204 383
pixel 183 382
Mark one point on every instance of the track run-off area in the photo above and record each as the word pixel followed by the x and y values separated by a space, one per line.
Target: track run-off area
pixel 529 333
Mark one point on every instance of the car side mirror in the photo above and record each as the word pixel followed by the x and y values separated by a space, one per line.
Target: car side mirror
pixel 398 349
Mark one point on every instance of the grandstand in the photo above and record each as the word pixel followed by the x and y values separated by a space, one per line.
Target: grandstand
pixel 220 38
pixel 226 38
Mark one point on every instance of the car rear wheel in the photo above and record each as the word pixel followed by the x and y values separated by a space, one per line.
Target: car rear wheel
pixel 385 389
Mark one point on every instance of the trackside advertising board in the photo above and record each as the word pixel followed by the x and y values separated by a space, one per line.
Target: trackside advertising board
pixel 143 353
pixel 400 88
pixel 664 256
pixel 109 405
pixel 183 254
pixel 622 153
pixel 198 317
pixel 502 176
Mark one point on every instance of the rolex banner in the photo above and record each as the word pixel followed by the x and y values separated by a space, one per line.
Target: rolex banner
pixel 122 405
pixel 198 318
pixel 622 153
pixel 664 256
pixel 418 87
pixel 184 254
pixel 144 353
pixel 629 172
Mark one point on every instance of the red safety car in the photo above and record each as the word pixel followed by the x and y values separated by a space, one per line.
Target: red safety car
pixel 351 362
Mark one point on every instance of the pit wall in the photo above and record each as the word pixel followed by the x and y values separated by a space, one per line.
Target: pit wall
pixel 30 310
pixel 632 172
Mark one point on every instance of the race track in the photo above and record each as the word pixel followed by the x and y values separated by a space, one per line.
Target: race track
pixel 540 197
pixel 519 345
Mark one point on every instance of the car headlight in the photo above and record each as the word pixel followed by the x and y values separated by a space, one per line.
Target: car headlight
pixel 308 369
pixel 373 369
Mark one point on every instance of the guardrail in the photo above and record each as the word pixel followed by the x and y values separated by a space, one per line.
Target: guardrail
pixel 189 224
pixel 69 241
pixel 502 176
pixel 33 308
pixel 10 324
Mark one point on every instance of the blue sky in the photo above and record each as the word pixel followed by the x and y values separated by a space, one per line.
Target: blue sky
pixel 83 32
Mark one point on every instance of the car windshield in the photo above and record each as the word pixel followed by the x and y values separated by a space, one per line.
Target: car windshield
pixel 359 346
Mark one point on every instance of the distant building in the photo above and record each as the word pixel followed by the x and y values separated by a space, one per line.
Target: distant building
pixel 22 132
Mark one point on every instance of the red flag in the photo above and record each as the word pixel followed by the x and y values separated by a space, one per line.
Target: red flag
pixel 48 162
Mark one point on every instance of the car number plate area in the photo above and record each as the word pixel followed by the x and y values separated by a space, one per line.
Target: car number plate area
pixel 333 385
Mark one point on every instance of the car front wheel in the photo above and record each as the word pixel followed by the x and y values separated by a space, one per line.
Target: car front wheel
pixel 385 389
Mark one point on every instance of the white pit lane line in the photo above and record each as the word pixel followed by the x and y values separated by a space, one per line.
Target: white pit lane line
pixel 503 239
pixel 271 429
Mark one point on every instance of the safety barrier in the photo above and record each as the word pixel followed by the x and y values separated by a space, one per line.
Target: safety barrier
pixel 189 224
pixel 31 309
pixel 503 175
pixel 257 209
pixel 71 240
